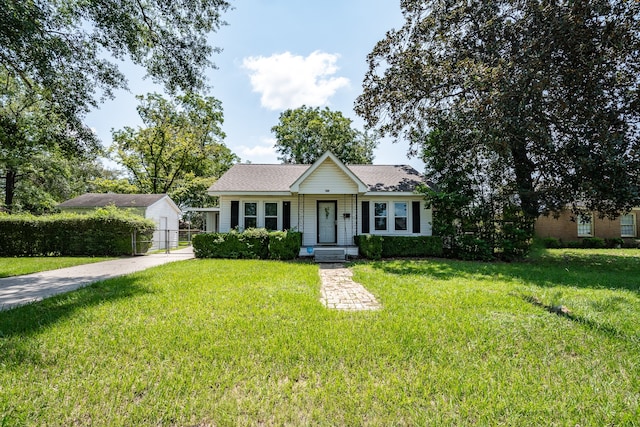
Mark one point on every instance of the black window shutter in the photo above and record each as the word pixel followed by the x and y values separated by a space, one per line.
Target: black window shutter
pixel 235 213
pixel 365 217
pixel 415 208
pixel 286 215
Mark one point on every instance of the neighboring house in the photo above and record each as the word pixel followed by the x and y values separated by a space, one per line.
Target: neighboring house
pixel 568 227
pixel 329 202
pixel 158 207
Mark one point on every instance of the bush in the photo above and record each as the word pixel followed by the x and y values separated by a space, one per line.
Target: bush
pixel 411 246
pixel 593 242
pixel 104 232
pixel 616 242
pixel 551 243
pixel 370 245
pixel 284 244
pixel 253 243
pixel 471 248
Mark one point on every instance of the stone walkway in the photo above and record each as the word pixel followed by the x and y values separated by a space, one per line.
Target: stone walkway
pixel 340 292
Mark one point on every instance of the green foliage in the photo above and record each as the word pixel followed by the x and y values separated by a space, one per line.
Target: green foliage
pixel 104 232
pixel 284 245
pixel 411 246
pixel 535 102
pixel 616 242
pixel 252 243
pixel 551 243
pixel 304 134
pixel 370 246
pixel 593 243
pixel 180 149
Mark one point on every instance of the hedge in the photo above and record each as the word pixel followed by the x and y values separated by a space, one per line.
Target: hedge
pixel 103 232
pixel 253 243
pixel 375 247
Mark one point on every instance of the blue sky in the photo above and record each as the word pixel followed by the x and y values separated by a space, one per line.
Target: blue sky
pixel 279 54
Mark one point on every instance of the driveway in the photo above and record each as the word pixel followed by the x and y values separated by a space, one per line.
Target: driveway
pixel 20 290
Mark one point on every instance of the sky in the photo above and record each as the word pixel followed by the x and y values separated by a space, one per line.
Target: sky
pixel 279 54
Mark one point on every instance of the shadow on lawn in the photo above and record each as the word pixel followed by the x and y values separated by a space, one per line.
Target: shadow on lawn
pixel 21 322
pixel 576 270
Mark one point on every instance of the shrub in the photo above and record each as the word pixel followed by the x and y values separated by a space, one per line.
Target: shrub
pixel 574 244
pixel 551 243
pixel 593 242
pixel 411 246
pixel 472 248
pixel 104 232
pixel 284 244
pixel 616 242
pixel 370 245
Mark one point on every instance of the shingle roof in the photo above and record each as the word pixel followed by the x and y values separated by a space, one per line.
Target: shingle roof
pixel 278 178
pixel 92 200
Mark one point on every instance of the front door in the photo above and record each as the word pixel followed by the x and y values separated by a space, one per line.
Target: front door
pixel 327 222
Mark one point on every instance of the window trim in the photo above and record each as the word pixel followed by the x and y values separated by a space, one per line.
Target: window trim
pixel 406 217
pixel 265 216
pixel 580 222
pixel 633 225
pixel 386 216
pixel 245 216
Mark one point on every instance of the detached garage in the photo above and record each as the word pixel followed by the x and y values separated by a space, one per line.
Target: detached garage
pixel 157 207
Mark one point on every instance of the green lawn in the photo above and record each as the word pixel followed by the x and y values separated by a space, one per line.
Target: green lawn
pixel 214 342
pixel 16 266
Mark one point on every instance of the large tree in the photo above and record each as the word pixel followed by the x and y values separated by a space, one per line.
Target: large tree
pixel 180 141
pixel 304 134
pixel 540 97
pixel 64 46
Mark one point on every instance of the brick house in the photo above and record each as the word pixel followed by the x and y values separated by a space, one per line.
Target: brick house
pixel 568 227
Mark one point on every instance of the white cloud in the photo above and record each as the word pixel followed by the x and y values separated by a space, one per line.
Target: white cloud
pixel 265 152
pixel 288 81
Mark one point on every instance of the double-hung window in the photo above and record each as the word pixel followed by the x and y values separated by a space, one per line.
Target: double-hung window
pixel 250 215
pixel 271 216
pixel 400 214
pixel 628 225
pixel 380 216
pixel 585 225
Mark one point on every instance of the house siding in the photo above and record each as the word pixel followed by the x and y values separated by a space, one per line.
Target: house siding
pixel 225 210
pixel 425 220
pixel 328 178
pixel 566 229
pixel 346 227
pixel 162 209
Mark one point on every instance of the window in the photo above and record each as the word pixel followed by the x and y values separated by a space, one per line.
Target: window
pixel 380 216
pixel 585 225
pixel 271 216
pixel 250 215
pixel 628 225
pixel 400 213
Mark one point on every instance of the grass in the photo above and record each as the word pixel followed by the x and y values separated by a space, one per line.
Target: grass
pixel 16 266
pixel 213 342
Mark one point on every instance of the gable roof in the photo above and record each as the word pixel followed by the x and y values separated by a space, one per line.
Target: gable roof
pixel 331 157
pixel 93 200
pixel 279 178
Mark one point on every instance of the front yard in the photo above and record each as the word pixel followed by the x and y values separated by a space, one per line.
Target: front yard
pixel 218 342
pixel 16 266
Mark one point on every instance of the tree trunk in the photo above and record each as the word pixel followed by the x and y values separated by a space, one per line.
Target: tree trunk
pixel 524 168
pixel 10 188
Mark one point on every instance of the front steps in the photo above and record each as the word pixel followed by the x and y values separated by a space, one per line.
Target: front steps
pixel 330 255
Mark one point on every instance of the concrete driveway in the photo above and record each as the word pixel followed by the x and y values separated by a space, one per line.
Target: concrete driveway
pixel 20 290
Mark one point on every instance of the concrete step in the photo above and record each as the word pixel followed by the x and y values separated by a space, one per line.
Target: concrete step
pixel 330 255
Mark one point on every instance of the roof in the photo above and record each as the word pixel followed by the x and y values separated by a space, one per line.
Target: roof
pixel 249 178
pixel 92 200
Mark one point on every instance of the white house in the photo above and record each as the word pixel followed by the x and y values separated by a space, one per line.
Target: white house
pixel 329 202
pixel 158 207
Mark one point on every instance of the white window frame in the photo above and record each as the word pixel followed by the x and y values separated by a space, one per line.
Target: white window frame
pixel 271 216
pixel 406 217
pixel 632 225
pixel 582 224
pixel 386 216
pixel 245 216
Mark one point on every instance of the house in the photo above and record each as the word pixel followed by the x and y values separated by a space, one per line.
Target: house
pixel 158 207
pixel 569 228
pixel 329 202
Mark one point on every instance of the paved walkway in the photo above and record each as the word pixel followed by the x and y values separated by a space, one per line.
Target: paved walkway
pixel 20 290
pixel 340 292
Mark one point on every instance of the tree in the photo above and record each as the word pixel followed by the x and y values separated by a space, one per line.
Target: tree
pixel 540 96
pixel 36 137
pixel 305 133
pixel 60 46
pixel 181 141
